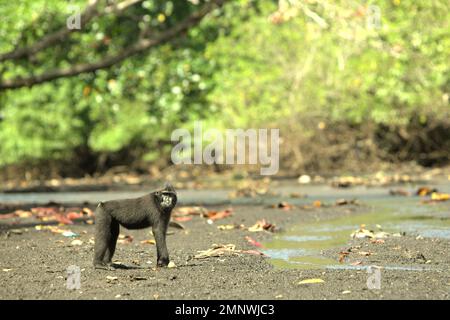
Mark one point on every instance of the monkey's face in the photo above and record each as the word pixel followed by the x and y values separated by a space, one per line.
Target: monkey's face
pixel 166 199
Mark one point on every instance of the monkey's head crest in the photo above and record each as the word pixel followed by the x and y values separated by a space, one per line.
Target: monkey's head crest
pixel 167 197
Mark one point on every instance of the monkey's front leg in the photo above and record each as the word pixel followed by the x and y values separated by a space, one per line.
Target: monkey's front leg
pixel 159 231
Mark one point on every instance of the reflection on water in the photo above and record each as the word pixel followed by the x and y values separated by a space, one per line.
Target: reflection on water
pixel 301 246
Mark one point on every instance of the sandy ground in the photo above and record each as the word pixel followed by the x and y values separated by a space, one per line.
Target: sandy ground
pixel 33 264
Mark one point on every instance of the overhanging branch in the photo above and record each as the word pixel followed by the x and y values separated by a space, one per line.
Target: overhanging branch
pixel 90 12
pixel 139 46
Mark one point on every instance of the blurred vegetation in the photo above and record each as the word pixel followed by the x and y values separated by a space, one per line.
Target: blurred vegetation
pixel 328 73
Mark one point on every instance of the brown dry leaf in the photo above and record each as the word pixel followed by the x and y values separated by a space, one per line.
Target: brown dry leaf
pixel 220 250
pixel 216 251
pixel 262 225
pixel 343 255
pixel 216 215
pixel 149 241
pixel 125 239
pixel 253 242
pixel 8 215
pixel 297 195
pixel 435 196
pixel 254 252
pixel 189 211
pixel 53 229
pixel 88 212
pixel 230 226
pixel 356 263
pixel 399 192
pixel 425 191
pixel 23 214
pixel 317 204
pixel 285 206
pixel 311 281
pixel 345 202
pixel 182 219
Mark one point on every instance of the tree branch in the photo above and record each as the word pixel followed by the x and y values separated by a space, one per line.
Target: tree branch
pixel 139 46
pixel 52 38
pixel 91 11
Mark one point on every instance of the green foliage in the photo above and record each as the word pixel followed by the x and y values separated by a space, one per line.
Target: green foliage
pixel 237 69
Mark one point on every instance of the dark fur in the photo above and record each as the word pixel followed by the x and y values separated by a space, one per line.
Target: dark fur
pixel 149 210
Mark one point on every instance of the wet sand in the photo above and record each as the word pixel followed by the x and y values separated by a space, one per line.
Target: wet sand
pixel 33 264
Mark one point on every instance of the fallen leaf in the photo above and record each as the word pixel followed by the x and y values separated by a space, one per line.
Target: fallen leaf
pixel 220 250
pixel 186 211
pixel 262 225
pixel 284 206
pixel 149 241
pixel 345 202
pixel 343 255
pixel 253 242
pixel 311 281
pixel 23 214
pixel 399 192
pixel 425 191
pixel 255 252
pixel 440 196
pixel 230 226
pixel 216 215
pixel 182 219
pixel 125 239
pixel 171 265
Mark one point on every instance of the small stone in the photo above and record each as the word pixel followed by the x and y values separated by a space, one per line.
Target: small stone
pixel 346 292
pixel 171 265
pixel 304 179
pixel 76 242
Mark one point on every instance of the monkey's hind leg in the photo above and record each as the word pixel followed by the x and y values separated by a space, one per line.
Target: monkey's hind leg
pixel 103 236
pixel 114 227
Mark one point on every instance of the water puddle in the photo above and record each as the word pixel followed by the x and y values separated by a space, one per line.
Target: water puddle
pixel 301 246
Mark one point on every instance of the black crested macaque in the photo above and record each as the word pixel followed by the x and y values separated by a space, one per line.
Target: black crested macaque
pixel 153 209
